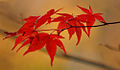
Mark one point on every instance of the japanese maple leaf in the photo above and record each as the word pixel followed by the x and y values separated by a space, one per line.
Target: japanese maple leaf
pixel 89 17
pixel 46 17
pixel 49 41
pixel 27 28
pixel 25 37
pixel 77 30
pixel 63 22
pixel 29 24
pixel 67 20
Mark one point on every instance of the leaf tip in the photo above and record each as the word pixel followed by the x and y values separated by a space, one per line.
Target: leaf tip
pixel 65 52
pixel 25 53
pixel 13 48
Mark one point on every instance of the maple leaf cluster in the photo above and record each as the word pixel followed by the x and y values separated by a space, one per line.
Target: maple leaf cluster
pixel 29 34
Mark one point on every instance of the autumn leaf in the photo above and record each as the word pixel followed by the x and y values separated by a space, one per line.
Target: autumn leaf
pixel 89 17
pixel 65 21
pixel 29 40
pixel 23 37
pixel 27 28
pixel 49 41
pixel 29 24
pixel 77 30
pixel 46 17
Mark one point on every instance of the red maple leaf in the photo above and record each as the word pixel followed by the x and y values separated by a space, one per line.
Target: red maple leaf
pixel 27 28
pixel 38 41
pixel 29 24
pixel 77 30
pixel 89 17
pixel 46 17
pixel 65 21
pixel 49 41
pixel 25 37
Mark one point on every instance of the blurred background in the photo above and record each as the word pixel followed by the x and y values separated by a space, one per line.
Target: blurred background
pixel 102 46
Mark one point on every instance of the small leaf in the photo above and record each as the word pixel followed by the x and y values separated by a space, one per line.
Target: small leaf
pixel 84 9
pixel 46 17
pixel 99 17
pixel 90 9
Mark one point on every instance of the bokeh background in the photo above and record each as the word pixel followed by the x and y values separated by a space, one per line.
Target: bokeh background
pixel 93 48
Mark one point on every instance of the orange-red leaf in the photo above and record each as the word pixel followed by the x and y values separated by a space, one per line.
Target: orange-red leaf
pixel 47 17
pixel 50 41
pixel 78 33
pixel 99 17
pixel 25 43
pixel 19 39
pixel 84 9
pixel 60 44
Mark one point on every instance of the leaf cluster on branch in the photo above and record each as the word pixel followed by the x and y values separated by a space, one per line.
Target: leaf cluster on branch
pixel 30 34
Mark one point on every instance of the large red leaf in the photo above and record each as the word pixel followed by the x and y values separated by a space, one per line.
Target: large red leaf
pixel 64 22
pixel 90 12
pixel 37 44
pixel 89 18
pixel 51 46
pixel 51 49
pixel 50 41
